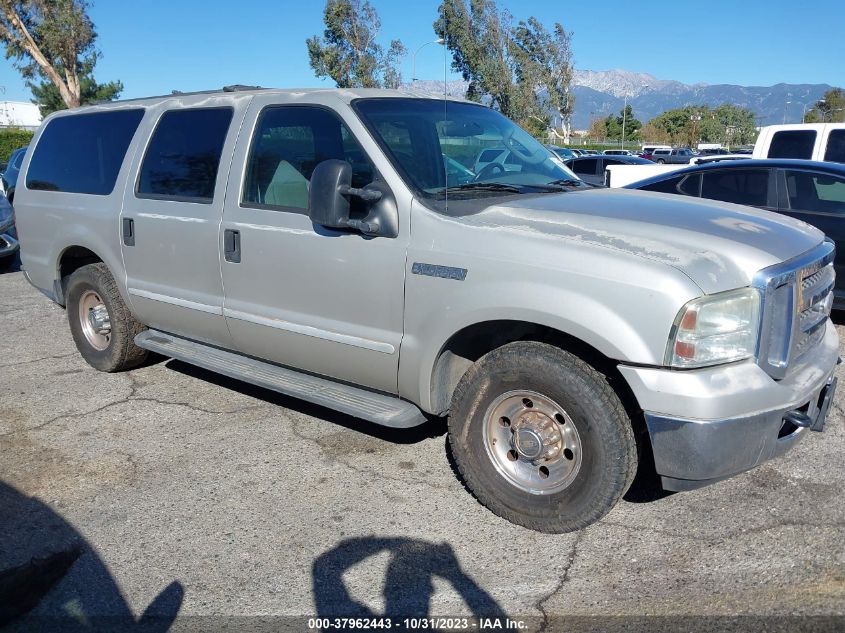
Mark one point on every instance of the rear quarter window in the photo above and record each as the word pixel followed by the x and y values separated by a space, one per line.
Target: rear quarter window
pixel 835 152
pixel 82 153
pixel 793 144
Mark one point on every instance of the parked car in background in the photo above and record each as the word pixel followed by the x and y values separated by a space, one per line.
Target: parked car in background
pixel 648 150
pixel 676 156
pixel 8 241
pixel 807 190
pixel 589 152
pixel 563 152
pixel 10 174
pixel 712 151
pixel 590 169
pixel 617 152
pixel 807 141
pixel 498 156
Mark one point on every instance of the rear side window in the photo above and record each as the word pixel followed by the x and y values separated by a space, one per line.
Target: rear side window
pixel 184 153
pixel 740 186
pixel 685 185
pixel 586 166
pixel 810 191
pixel 835 152
pixel 793 144
pixel 83 153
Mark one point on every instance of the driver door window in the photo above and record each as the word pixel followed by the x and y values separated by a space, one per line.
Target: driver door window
pixel 289 142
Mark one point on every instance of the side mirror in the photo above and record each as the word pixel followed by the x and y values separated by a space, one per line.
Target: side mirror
pixel 327 206
pixel 328 197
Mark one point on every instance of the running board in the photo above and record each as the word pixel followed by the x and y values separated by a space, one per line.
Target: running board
pixel 360 403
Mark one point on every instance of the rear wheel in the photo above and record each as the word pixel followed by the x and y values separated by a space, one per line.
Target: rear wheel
pixel 541 438
pixel 101 325
pixel 660 161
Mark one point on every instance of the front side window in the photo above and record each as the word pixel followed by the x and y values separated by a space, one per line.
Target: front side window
pixel 808 191
pixel 183 157
pixel 421 136
pixel 835 152
pixel 83 153
pixel 793 144
pixel 289 142
pixel 740 186
pixel 586 167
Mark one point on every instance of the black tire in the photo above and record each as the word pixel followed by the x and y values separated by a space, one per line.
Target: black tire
pixel 660 161
pixel 609 452
pixel 121 352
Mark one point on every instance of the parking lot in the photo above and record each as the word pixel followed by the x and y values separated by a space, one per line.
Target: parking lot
pixel 190 494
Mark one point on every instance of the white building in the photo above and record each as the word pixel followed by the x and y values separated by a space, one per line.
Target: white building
pixel 19 114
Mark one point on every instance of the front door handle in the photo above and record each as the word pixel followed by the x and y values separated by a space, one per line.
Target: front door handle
pixel 232 246
pixel 129 231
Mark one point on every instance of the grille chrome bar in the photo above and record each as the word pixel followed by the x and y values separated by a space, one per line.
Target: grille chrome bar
pixel 795 307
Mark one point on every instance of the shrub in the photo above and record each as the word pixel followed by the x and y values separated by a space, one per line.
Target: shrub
pixel 11 139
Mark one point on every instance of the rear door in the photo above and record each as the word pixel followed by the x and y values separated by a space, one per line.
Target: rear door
pixel 752 186
pixel 171 217
pixel 817 199
pixel 835 147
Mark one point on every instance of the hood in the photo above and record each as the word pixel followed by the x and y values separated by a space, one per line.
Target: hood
pixel 718 245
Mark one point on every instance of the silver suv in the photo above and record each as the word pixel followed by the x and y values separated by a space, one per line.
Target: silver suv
pixel 316 243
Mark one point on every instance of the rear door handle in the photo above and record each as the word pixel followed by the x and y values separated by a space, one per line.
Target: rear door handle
pixel 232 246
pixel 129 231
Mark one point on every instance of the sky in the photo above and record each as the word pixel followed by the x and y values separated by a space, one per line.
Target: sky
pixel 156 46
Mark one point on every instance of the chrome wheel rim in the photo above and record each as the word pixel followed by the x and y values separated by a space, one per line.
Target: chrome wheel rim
pixel 532 442
pixel 95 320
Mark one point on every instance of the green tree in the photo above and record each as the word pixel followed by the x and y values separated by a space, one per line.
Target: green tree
pixel 727 124
pixel 523 71
pixel 348 52
pixel 613 125
pixel 830 108
pixel 52 43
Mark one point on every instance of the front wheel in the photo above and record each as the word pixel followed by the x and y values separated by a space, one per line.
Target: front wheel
pixel 101 325
pixel 541 438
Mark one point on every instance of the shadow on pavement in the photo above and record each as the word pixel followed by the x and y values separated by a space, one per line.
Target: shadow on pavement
pixel 51 579
pixel 408 583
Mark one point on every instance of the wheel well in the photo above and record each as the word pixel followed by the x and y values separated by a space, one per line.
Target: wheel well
pixel 72 259
pixel 471 343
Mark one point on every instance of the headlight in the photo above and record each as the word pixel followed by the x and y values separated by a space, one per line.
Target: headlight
pixel 715 329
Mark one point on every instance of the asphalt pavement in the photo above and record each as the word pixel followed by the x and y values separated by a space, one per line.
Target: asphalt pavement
pixel 169 492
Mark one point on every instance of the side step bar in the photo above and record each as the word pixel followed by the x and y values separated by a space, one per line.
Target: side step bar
pixel 360 403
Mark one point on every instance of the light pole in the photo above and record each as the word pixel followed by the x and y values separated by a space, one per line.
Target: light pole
pixel 439 40
pixel 785 103
pixel 624 117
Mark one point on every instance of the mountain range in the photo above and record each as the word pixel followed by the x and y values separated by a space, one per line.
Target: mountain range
pixel 601 93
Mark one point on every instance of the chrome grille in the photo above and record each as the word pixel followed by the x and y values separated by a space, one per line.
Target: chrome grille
pixel 797 298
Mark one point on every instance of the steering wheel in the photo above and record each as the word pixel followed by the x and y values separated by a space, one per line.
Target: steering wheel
pixel 532 158
pixel 488 170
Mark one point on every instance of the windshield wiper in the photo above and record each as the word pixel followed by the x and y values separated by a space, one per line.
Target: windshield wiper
pixel 481 186
pixel 567 182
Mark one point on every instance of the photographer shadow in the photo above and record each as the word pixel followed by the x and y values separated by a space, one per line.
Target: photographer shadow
pixel 408 583
pixel 51 579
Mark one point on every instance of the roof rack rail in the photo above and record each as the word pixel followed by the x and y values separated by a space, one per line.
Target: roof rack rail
pixel 240 87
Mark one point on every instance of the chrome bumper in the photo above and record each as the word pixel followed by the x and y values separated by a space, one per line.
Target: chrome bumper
pixel 710 424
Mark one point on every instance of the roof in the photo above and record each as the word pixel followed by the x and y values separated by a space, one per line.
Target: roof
pixel 782 163
pixel 343 94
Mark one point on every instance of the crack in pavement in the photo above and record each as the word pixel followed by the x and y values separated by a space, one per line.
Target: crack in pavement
pixel 38 360
pixel 570 561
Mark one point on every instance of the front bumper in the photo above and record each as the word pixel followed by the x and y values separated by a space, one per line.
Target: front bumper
pixel 709 424
pixel 8 245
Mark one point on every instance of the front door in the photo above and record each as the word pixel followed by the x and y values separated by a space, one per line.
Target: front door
pixel 325 301
pixel 171 215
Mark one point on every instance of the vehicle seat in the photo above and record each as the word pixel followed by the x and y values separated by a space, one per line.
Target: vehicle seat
pixel 287 187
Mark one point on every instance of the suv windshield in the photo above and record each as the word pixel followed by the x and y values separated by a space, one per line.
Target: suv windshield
pixel 462 150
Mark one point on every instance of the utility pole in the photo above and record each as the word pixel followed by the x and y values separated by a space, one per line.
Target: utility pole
pixel 624 116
